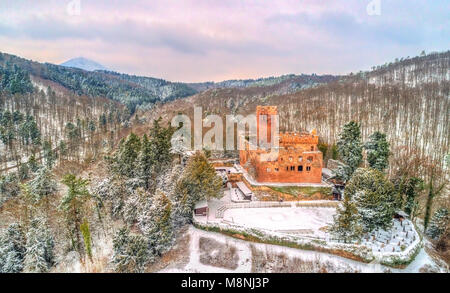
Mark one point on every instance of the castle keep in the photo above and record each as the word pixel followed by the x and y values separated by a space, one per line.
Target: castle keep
pixel 298 159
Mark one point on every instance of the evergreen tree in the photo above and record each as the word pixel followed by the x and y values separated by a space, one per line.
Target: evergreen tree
pixel 378 151
pixel 156 224
pixel 439 223
pixel 146 161
pixel 160 139
pixel 334 152
pixel 434 188
pixel 40 245
pixel 350 149
pixel 12 249
pixel 374 197
pixel 73 206
pixel 33 164
pixel 23 171
pixel 49 155
pixel 347 221
pixel 199 182
pixel 127 156
pixel 43 184
pixel 130 254
pixel 409 189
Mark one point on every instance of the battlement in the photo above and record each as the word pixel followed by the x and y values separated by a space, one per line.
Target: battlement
pixel 298 138
pixel 266 110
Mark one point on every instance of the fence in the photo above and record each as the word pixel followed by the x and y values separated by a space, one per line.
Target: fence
pixel 274 204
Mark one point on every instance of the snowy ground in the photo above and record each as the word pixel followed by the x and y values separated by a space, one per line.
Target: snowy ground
pixel 244 249
pixel 295 220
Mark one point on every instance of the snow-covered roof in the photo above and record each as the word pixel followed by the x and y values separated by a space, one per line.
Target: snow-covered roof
pixel 201 204
pixel 402 214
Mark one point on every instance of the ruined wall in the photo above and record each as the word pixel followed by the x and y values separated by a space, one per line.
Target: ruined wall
pixel 298 159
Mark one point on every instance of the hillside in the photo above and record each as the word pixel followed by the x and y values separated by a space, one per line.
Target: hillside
pixel 140 91
pixel 118 87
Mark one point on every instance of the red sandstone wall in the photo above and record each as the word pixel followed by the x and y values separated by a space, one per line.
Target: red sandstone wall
pixel 292 146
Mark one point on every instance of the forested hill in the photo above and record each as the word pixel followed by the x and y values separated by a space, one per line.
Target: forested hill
pixel 131 90
pixel 290 82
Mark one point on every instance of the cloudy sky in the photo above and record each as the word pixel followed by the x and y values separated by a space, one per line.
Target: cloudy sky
pixel 199 40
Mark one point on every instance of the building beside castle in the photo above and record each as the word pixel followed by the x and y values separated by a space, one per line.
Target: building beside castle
pixel 296 158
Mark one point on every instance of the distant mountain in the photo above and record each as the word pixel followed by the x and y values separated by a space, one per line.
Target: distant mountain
pixel 291 82
pixel 83 63
pixel 132 91
pixel 86 77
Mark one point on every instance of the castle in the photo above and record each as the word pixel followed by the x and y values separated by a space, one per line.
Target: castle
pixel 298 159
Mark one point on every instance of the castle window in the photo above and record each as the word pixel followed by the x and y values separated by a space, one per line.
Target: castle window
pixel 290 159
pixel 287 168
pixel 300 158
pixel 308 168
pixel 292 168
pixel 312 148
pixel 276 169
pixel 310 159
pixel 268 170
pixel 300 168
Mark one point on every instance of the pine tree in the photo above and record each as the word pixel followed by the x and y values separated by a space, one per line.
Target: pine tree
pixel 350 149
pixel 160 138
pixel 409 190
pixel 73 206
pixel 49 155
pixel 32 163
pixel 199 182
pixel 378 151
pixel 146 161
pixel 347 222
pixel 130 253
pixel 201 178
pixel 127 155
pixel 40 245
pixel 439 223
pixel 12 249
pixel 156 224
pixel 43 184
pixel 374 197
pixel 23 171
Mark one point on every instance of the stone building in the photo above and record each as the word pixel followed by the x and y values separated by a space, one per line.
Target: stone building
pixel 297 159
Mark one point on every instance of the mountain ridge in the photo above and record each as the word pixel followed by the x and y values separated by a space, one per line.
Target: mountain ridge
pixel 83 63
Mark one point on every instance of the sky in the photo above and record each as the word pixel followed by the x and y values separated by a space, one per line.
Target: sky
pixel 214 40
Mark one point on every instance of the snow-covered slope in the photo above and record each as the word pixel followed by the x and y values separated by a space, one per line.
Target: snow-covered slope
pixel 83 63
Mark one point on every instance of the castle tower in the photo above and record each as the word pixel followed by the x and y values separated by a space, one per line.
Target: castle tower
pixel 263 114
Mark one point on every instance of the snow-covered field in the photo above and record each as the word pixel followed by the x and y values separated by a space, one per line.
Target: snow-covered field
pixel 296 220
